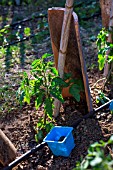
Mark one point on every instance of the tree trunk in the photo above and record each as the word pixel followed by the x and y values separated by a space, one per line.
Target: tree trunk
pixel 7 150
pixel 105 11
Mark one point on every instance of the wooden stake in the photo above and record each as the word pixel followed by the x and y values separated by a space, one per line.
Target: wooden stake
pixel 105 12
pixel 63 46
pixel 7 150
pixel 83 68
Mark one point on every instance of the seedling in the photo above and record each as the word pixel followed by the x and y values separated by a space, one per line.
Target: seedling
pixel 101 98
pixel 44 85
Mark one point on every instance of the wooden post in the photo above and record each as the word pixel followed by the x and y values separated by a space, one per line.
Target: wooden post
pixel 105 12
pixel 83 68
pixel 63 46
pixel 7 150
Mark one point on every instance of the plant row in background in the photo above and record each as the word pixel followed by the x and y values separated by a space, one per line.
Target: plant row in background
pixel 12 45
pixel 8 34
pixel 16 2
pixel 92 7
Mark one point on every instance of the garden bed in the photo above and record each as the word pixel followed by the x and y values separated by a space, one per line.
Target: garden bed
pixel 18 123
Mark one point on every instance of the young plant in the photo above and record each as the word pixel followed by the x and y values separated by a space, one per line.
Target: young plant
pixel 44 84
pixel 96 159
pixel 104 47
pixel 101 98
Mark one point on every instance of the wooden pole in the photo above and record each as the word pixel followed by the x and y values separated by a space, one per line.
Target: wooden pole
pixel 105 12
pixel 83 68
pixel 7 150
pixel 63 46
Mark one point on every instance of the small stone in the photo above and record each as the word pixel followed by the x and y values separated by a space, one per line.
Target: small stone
pixel 91 142
pixel 109 116
pixel 40 167
pixel 98 117
pixel 63 118
pixel 104 115
pixel 21 166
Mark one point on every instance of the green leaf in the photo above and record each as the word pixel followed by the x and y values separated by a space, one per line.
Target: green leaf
pixel 79 84
pixel 25 74
pixel 48 107
pixel 67 76
pixel 27 95
pixel 37 86
pixel 86 164
pixel 101 61
pixel 111 45
pixel 39 100
pixel 3 30
pixel 32 83
pixel 49 126
pixel 56 92
pixel 50 77
pixel 27 31
pixel 50 64
pixel 39 136
pixel 46 55
pixel 35 75
pixel 110 59
pixel 96 161
pixel 97 99
pixel 96 144
pixel 110 141
pixel 75 92
pixel 21 97
pixel 40 123
pixel 54 71
pixel 57 81
pixel 36 64
pixel 25 79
